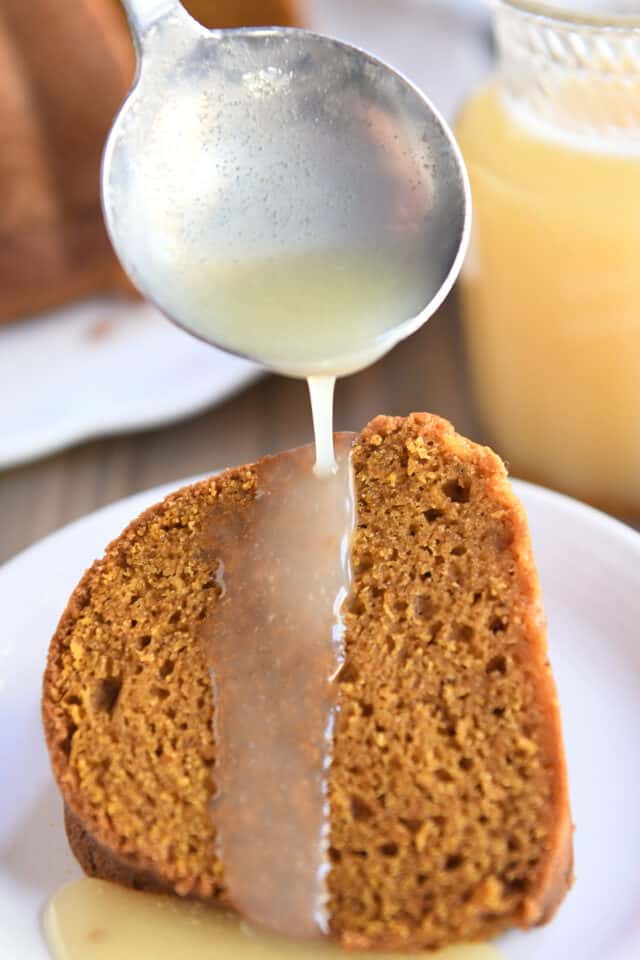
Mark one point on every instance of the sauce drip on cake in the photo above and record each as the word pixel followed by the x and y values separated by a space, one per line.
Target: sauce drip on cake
pixel 274 642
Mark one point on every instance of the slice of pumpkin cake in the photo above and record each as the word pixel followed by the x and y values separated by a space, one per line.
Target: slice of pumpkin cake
pixel 444 795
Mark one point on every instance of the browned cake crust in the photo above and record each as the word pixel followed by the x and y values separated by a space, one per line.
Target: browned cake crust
pixel 449 809
pixel 97 861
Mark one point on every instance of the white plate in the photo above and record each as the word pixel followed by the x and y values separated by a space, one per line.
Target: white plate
pixel 104 366
pixel 100 367
pixel 590 567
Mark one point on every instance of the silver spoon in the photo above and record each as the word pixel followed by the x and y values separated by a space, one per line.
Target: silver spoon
pixel 276 147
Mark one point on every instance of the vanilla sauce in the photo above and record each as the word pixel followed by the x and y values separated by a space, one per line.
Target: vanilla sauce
pixel 95 920
pixel 274 641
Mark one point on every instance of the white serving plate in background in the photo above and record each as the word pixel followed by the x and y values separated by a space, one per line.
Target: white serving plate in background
pixel 101 367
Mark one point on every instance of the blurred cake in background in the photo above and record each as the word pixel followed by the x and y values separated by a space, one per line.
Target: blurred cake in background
pixel 237 13
pixel 66 69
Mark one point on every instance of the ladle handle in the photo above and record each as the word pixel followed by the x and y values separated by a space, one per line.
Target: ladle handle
pixel 142 14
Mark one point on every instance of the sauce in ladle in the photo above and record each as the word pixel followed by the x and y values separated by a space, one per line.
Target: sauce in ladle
pixel 321 312
pixel 317 315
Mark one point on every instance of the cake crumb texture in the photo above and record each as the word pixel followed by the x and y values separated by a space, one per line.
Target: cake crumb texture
pixel 448 787
pixel 128 707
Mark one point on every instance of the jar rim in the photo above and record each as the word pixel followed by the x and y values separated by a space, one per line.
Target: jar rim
pixel 555 12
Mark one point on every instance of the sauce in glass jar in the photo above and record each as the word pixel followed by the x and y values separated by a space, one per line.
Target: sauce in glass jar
pixel 551 287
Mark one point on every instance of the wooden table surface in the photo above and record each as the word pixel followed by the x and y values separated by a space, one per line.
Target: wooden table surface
pixel 426 372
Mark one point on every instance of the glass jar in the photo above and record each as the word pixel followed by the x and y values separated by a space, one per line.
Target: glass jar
pixel 551 288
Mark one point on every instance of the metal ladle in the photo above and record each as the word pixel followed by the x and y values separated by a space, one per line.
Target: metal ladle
pixel 266 143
